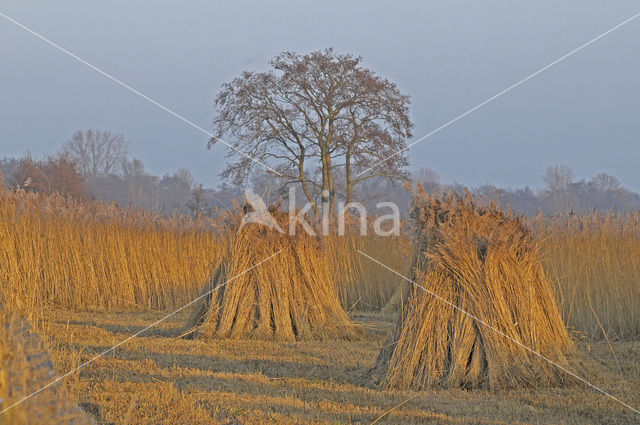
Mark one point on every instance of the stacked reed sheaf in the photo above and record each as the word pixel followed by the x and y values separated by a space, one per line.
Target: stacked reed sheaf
pixel 271 285
pixel 26 367
pixel 491 300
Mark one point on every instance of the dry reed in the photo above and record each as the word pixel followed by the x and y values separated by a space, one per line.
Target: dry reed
pixel 25 366
pixel 91 255
pixel 289 297
pixel 360 286
pixel 594 262
pixel 485 263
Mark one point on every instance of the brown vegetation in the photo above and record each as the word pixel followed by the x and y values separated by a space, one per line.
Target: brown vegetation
pixel 289 297
pixel 54 174
pixel 25 367
pixel 492 300
pixel 160 379
pixel 594 264
pixel 362 287
pixel 58 252
pixel 90 255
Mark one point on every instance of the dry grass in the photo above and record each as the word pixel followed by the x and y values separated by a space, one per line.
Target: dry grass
pixel 58 247
pixel 25 366
pixel 594 262
pixel 360 286
pixel 88 255
pixel 485 263
pixel 169 380
pixel 291 296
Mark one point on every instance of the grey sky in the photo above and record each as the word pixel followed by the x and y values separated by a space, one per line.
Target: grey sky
pixel 449 56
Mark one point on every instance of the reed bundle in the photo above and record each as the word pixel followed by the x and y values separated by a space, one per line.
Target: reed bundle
pixel 493 300
pixel 289 297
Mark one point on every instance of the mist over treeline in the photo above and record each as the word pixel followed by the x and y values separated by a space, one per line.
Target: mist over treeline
pixel 562 193
pixel 96 164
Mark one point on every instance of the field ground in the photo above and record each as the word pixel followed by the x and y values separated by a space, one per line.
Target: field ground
pixel 159 378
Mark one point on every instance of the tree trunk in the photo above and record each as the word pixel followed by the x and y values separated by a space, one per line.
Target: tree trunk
pixel 332 189
pixel 326 169
pixel 305 188
pixel 347 171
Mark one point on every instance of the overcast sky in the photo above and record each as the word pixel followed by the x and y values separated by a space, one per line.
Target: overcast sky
pixel 448 56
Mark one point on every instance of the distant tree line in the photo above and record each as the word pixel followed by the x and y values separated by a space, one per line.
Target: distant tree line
pixel 95 164
pixel 562 193
pixel 319 123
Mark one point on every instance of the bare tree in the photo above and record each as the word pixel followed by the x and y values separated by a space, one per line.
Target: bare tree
pixel 559 181
pixel 98 153
pixel 198 205
pixel 321 111
pixel 185 177
pixel 142 187
pixel 558 178
pixel 606 183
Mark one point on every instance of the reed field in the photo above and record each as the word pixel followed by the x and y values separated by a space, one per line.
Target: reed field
pixel 89 255
pixel 361 286
pixel 594 262
pixel 92 274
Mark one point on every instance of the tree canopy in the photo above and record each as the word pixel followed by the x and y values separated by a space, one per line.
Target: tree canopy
pixel 317 120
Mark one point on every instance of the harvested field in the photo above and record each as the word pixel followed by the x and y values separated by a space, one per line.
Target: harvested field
pixel 58 256
pixel 159 378
pixel 26 367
